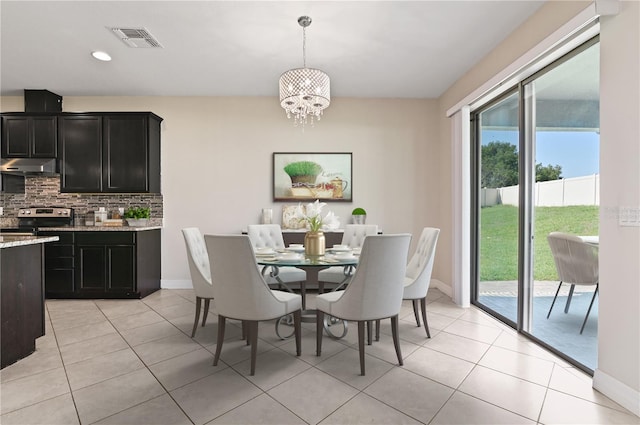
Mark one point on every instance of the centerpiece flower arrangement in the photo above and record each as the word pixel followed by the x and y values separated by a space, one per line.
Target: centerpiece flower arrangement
pixel 311 214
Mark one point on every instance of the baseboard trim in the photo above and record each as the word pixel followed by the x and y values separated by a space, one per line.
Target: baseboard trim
pixel 443 287
pixel 175 284
pixel 621 393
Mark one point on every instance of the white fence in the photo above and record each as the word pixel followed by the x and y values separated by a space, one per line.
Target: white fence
pixel 583 190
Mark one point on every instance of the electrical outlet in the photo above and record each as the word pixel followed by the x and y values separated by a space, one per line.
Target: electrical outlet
pixel 629 217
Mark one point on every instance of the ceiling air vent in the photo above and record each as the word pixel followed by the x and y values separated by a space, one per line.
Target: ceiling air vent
pixel 136 37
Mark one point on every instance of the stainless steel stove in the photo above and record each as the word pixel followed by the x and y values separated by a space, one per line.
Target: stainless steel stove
pixel 32 218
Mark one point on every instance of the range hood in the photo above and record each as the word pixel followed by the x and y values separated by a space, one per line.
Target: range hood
pixel 28 166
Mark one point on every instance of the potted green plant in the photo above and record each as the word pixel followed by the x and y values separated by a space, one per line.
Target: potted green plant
pixel 303 171
pixel 359 215
pixel 137 216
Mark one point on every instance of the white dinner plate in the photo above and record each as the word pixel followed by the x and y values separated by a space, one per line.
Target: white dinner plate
pixel 344 256
pixel 290 258
pixel 295 248
pixel 265 251
pixel 347 249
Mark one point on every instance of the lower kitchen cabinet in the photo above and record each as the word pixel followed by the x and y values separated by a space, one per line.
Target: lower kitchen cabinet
pixel 104 264
pixel 59 266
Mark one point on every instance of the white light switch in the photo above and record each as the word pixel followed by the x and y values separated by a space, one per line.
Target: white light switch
pixel 629 217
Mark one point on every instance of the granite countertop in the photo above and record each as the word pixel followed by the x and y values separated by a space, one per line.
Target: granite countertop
pixel 8 241
pixel 99 228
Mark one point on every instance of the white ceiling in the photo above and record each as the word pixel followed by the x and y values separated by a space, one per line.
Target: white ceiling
pixel 405 49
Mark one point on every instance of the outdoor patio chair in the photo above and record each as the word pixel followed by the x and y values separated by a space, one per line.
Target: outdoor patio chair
pixel 577 264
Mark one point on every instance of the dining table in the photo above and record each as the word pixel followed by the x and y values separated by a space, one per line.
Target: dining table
pixel 312 265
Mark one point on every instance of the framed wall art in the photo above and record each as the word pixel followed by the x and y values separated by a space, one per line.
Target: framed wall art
pixel 302 176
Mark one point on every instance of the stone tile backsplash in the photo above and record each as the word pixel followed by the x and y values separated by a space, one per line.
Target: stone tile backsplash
pixel 45 191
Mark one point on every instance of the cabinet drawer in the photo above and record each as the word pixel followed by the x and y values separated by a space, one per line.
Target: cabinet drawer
pixel 58 263
pixel 52 251
pixel 105 238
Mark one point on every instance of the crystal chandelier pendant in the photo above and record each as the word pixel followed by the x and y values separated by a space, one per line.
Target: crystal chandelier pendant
pixel 304 92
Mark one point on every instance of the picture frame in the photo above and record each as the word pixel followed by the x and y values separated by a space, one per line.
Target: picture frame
pixel 307 176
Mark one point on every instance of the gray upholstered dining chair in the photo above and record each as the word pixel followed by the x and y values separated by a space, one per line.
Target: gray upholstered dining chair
pixel 577 264
pixel 353 237
pixel 200 272
pixel 241 292
pixel 418 277
pixel 374 292
pixel 270 236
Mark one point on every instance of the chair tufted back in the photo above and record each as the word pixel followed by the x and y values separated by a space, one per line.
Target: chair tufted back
pixel 265 235
pixel 198 262
pixel 354 234
pixel 376 288
pixel 576 261
pixel 420 266
pixel 240 291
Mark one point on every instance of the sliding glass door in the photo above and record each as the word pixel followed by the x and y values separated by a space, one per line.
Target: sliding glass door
pixel 497 174
pixel 564 134
pixel 536 153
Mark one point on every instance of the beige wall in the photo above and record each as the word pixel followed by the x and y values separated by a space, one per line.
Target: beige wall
pixel 619 318
pixel 216 160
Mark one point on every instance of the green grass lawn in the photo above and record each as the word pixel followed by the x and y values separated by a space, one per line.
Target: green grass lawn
pixel 499 238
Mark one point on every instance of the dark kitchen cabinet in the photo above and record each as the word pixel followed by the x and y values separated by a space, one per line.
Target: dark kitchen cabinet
pixel 59 265
pixel 11 184
pixel 80 139
pixel 29 136
pixel 131 153
pixel 104 264
pixel 115 152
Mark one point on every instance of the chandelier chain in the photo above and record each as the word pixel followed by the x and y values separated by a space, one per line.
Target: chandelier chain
pixel 304 47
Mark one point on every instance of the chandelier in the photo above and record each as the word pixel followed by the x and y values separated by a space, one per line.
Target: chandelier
pixel 304 92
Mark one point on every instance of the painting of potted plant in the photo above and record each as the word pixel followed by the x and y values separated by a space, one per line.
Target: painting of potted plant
pixel 310 176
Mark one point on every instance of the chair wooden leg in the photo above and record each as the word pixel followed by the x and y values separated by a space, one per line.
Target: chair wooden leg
pixel 566 307
pixel 195 322
pixel 221 324
pixel 361 345
pixel 415 311
pixel 245 334
pixel 377 330
pixel 253 336
pixel 396 339
pixel 319 330
pixel 369 331
pixel 297 324
pixel 206 310
pixel 423 307
pixel 589 310
pixel 554 299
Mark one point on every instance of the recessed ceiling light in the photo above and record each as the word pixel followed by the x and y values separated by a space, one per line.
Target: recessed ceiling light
pixel 101 56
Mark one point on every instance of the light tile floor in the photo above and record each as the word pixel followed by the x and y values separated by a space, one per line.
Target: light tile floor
pixel 133 362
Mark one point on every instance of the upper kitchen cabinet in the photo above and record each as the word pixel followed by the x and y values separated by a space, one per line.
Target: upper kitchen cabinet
pixel 115 152
pixel 80 138
pixel 29 136
pixel 131 153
